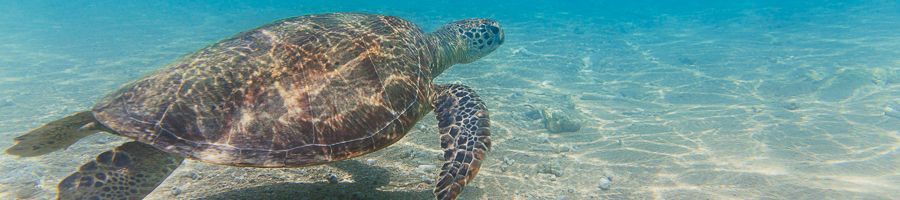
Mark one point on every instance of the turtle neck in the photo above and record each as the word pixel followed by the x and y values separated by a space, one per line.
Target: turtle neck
pixel 446 49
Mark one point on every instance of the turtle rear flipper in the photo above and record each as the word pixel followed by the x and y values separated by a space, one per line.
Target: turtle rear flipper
pixel 131 171
pixel 465 137
pixel 55 135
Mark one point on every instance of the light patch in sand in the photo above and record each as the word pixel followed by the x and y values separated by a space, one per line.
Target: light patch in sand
pixel 861 184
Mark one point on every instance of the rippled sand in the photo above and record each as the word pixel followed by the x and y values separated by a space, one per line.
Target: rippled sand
pixel 757 106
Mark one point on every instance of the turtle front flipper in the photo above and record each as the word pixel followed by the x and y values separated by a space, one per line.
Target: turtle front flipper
pixel 55 135
pixel 465 137
pixel 131 171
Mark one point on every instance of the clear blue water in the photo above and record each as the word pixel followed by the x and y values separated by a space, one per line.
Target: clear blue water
pixel 677 100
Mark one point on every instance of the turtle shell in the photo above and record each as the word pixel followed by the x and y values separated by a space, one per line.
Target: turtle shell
pixel 300 91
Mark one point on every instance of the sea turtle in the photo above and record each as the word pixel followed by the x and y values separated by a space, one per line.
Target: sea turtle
pixel 300 91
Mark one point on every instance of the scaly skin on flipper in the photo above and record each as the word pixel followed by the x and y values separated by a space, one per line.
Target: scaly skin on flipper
pixel 55 135
pixel 465 137
pixel 131 171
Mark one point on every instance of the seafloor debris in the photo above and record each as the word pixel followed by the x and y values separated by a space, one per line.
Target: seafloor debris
pixel 533 114
pixel 332 178
pixel 554 168
pixel 175 191
pixel 507 162
pixel 892 110
pixel 558 121
pixel 426 179
pixel 425 168
pixel 605 183
pixel 6 102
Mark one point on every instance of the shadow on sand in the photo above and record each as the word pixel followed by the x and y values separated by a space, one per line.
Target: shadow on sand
pixel 366 181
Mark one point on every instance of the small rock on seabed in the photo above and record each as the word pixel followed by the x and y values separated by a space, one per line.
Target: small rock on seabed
pixel 554 168
pixel 6 102
pixel 558 121
pixel 175 191
pixel 426 179
pixel 892 110
pixel 332 178
pixel 605 183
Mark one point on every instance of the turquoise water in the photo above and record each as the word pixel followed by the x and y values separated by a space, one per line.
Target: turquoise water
pixel 676 100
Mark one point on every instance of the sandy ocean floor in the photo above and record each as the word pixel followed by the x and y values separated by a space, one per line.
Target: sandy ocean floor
pixel 752 102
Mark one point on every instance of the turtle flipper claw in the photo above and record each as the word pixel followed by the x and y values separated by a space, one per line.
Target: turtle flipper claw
pixel 465 137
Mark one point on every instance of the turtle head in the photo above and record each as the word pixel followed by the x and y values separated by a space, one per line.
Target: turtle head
pixel 476 38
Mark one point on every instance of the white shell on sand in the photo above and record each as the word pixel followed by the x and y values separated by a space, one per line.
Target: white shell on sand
pixel 605 183
pixel 892 110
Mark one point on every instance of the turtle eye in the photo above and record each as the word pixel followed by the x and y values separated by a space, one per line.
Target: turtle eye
pixel 480 37
pixel 494 29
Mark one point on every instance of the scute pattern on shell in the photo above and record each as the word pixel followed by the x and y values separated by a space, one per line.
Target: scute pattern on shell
pixel 300 91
